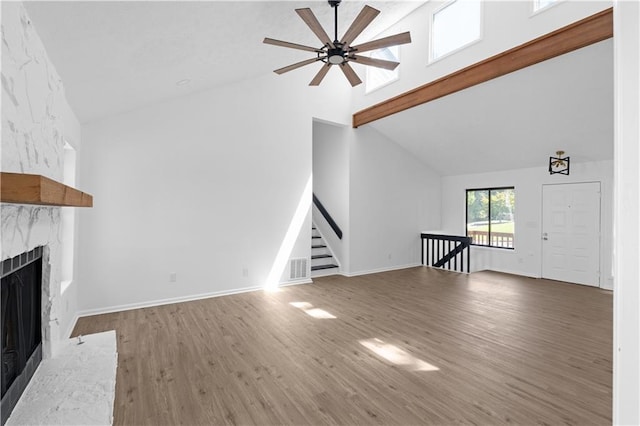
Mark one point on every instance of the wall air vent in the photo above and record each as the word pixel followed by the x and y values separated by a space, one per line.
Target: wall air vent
pixel 298 268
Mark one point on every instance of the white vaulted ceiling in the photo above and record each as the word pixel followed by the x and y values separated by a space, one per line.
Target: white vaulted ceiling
pixel 115 56
pixel 118 56
pixel 517 120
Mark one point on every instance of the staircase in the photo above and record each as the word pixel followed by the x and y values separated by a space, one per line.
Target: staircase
pixel 322 261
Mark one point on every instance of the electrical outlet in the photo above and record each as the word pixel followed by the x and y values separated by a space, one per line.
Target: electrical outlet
pixel 245 272
pixel 173 277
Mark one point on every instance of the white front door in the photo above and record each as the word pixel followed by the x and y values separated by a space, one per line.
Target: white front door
pixel 571 233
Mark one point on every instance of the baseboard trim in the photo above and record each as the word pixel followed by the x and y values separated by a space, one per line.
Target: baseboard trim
pixel 181 299
pixel 378 270
pixel 606 287
pixel 506 271
pixel 324 273
pixel 71 326
pixel 295 282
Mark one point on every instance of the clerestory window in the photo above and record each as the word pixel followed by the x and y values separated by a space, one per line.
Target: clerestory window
pixel 454 26
pixel 379 77
pixel 542 4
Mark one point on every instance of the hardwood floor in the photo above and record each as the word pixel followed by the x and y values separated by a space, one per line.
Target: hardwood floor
pixel 415 346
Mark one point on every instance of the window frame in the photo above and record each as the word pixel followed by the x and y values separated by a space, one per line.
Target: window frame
pixel 466 216
pixel 536 10
pixel 431 59
pixel 367 90
pixel 68 220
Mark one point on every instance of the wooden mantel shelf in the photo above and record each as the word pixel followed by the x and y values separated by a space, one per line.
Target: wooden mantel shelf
pixel 20 188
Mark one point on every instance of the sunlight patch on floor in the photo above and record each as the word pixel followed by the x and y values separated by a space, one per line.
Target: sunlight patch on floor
pixel 397 356
pixel 308 309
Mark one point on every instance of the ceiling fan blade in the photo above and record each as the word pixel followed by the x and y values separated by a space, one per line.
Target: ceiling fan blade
pixel 350 74
pixel 310 19
pixel 393 40
pixel 380 63
pixel 318 78
pixel 364 18
pixel 296 65
pixel 268 40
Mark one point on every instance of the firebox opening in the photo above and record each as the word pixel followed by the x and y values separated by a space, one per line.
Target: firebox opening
pixel 21 325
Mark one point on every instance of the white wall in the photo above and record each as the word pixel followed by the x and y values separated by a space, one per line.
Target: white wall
pixel 505 24
pixel 204 186
pixel 626 321
pixel 393 198
pixel 161 168
pixel 331 184
pixel 379 195
pixel 35 121
pixel 526 258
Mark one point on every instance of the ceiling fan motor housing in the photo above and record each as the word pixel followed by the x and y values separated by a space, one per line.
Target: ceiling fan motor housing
pixel 336 56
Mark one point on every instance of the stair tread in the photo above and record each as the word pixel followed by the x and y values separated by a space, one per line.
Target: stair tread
pixel 320 256
pixel 318 246
pixel 319 267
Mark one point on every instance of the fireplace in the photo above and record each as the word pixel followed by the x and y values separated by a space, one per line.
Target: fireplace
pixel 21 325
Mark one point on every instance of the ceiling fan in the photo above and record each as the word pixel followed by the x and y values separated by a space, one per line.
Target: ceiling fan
pixel 340 52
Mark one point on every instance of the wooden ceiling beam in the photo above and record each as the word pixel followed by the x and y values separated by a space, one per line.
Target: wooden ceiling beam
pixel 582 33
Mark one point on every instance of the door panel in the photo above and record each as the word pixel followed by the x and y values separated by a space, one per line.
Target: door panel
pixel 571 233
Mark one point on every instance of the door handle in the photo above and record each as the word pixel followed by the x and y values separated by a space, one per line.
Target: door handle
pixel 545 236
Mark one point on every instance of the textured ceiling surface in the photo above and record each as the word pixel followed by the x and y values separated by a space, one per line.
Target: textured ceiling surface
pixel 115 56
pixel 517 120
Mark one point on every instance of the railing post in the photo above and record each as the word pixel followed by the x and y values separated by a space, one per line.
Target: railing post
pixel 455 260
pixel 433 252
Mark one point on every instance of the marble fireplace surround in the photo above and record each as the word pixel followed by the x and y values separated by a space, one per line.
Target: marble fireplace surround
pixel 36 220
pixel 36 122
pixel 20 222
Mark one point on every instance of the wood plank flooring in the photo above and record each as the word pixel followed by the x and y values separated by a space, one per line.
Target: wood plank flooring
pixel 415 346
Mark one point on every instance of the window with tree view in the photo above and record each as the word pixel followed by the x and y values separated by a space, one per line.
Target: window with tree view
pixel 491 216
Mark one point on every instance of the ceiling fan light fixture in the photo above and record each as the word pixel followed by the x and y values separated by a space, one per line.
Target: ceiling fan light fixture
pixel 336 56
pixel 559 164
pixel 340 51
